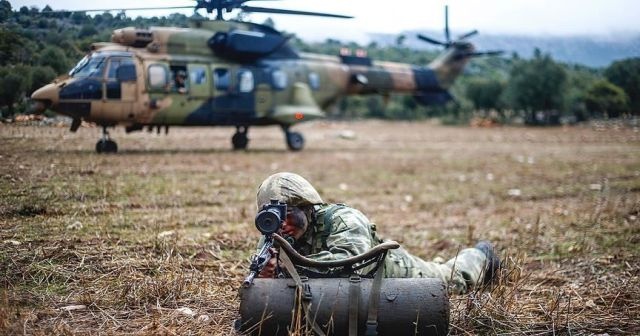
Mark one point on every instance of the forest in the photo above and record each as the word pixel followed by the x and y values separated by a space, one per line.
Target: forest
pixel 36 45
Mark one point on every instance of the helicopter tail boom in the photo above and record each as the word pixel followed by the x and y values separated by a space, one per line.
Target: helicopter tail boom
pixel 389 77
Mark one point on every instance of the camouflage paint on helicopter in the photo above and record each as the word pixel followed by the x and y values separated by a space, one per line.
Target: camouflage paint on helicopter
pixel 226 73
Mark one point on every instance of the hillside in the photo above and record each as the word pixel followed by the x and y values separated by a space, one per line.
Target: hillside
pixel 593 51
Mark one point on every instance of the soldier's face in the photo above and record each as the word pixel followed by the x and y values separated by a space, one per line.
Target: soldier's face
pixel 295 225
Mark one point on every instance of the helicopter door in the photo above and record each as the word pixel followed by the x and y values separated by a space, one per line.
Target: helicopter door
pixel 234 102
pixel 199 81
pixel 121 89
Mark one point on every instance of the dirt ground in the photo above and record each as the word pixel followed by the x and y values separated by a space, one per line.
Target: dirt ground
pixel 123 244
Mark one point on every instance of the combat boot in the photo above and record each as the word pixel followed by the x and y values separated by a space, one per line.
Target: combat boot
pixel 493 261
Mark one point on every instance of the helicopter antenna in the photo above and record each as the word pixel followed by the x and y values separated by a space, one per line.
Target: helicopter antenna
pixel 446 24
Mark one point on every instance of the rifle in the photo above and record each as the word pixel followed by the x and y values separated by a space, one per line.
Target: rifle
pixel 268 221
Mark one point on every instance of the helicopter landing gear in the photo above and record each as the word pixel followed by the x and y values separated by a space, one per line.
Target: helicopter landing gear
pixel 295 140
pixel 240 139
pixel 106 145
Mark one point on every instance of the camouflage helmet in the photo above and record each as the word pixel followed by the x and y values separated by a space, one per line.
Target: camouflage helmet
pixel 290 188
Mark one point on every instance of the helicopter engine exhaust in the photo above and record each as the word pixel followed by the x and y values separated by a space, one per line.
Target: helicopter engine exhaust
pixel 132 37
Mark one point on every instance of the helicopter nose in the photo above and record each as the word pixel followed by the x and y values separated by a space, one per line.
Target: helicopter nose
pixel 45 97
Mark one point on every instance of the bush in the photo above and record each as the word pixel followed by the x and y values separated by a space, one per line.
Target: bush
pixel 606 99
pixel 626 75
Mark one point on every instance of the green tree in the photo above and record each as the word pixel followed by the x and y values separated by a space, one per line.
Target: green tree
pixel 87 30
pixel 9 42
pixel 485 93
pixel 5 10
pixel 626 74
pixel 537 85
pixel 40 76
pixel 606 99
pixel 13 82
pixel 580 79
pixel 55 58
pixel 106 18
pixel 79 17
pixel 43 23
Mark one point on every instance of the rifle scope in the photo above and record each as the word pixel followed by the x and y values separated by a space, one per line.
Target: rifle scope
pixel 270 217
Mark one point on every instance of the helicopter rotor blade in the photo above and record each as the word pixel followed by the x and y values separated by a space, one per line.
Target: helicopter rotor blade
pixel 251 9
pixel 240 2
pixel 467 35
pixel 432 41
pixel 486 53
pixel 116 9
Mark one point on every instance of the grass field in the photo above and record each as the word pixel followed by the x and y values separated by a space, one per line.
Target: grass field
pixel 116 244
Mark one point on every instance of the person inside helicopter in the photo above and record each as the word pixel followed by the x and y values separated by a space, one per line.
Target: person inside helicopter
pixel 180 81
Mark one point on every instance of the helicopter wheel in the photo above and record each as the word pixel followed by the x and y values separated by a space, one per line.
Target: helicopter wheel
pixel 240 139
pixel 106 146
pixel 295 141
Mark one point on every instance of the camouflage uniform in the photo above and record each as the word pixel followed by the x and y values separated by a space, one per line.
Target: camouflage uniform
pixel 337 231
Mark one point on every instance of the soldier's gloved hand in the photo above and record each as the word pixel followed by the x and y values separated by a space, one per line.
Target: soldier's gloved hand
pixel 269 270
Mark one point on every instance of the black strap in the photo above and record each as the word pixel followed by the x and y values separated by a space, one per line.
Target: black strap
pixel 374 300
pixel 304 291
pixel 354 304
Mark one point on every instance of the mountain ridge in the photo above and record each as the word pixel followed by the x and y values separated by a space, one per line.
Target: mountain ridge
pixel 593 51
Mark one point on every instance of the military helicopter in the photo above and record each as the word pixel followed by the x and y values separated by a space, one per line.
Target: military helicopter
pixel 231 73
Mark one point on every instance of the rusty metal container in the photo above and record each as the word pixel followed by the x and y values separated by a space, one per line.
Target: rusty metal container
pixel 406 307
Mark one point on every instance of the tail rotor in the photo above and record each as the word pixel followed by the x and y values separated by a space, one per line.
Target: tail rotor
pixel 465 49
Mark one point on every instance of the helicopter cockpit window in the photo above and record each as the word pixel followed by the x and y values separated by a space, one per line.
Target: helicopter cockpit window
pixel 114 64
pixel 314 81
pixel 245 81
pixel 119 69
pixel 89 67
pixel 158 76
pixel 279 79
pixel 222 79
pixel 80 64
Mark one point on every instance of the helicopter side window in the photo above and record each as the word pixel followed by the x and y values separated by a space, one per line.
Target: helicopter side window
pixel 222 79
pixel 198 76
pixel 314 81
pixel 279 79
pixel 158 76
pixel 245 81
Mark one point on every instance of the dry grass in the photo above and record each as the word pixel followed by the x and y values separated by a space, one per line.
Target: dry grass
pixel 166 223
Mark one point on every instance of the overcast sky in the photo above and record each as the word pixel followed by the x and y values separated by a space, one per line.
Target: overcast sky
pixel 531 17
